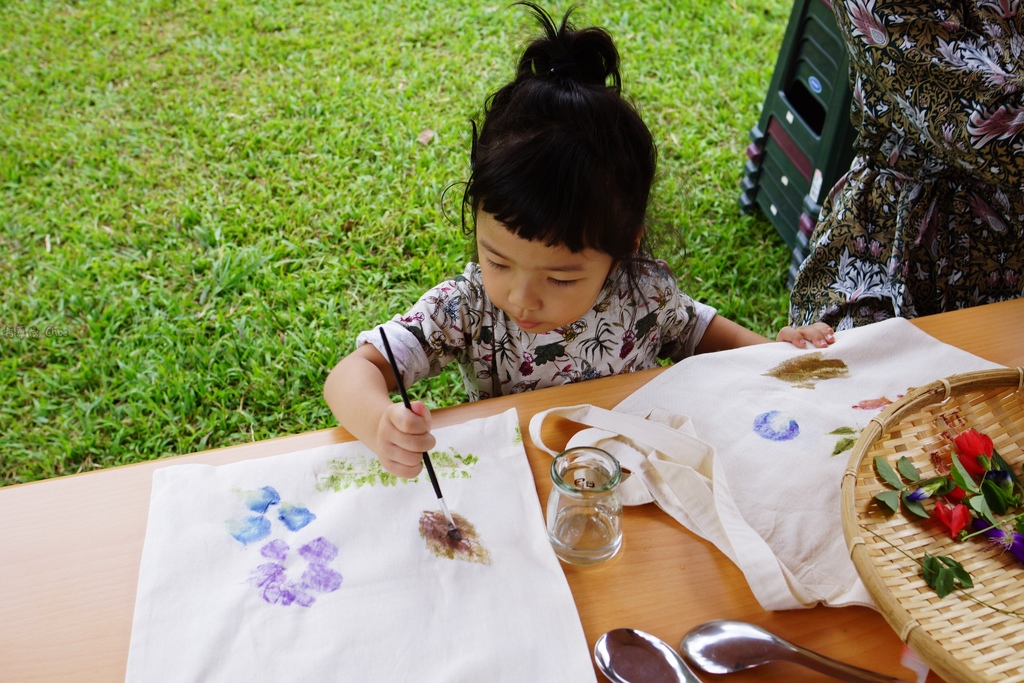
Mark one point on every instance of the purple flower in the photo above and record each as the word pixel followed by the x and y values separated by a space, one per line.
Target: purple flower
pixel 919 494
pixel 931 487
pixel 1002 479
pixel 1007 540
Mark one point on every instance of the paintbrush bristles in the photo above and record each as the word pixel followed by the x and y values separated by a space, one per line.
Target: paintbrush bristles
pixel 453 531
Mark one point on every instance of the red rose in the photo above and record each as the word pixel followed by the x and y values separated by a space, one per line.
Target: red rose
pixel 970 445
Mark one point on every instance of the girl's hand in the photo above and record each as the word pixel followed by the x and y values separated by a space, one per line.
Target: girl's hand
pixel 819 334
pixel 402 437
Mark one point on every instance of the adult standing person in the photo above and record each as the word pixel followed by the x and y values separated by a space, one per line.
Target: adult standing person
pixel 930 216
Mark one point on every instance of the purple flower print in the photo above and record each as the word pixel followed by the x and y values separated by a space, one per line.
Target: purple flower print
pixel 319 550
pixel 272 580
pixel 321 578
pixel 275 550
pixel 274 584
pixel 275 579
pixel 775 426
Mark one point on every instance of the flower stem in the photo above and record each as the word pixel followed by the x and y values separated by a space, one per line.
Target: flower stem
pixel 957 588
pixel 1001 523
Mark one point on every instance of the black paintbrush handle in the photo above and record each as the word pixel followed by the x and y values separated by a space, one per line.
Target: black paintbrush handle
pixel 394 369
pixel 430 473
pixel 405 399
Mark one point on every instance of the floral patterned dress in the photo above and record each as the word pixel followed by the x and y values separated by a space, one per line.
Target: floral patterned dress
pixel 930 216
pixel 628 328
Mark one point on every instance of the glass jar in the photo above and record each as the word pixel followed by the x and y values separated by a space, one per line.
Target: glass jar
pixel 584 514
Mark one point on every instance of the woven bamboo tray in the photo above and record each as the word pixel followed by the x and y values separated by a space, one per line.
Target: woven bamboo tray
pixel 958 638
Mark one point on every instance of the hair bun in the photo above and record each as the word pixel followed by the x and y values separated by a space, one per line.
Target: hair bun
pixel 587 56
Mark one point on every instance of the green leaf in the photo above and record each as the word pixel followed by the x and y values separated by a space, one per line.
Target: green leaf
pixel 914 506
pixel 907 469
pixel 980 506
pixel 995 497
pixel 931 570
pixel 943 574
pixel 963 478
pixel 929 567
pixel 886 472
pixel 960 574
pixel 844 445
pixel 890 499
pixel 1001 464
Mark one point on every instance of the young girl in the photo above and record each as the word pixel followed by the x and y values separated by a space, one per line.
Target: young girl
pixel 563 290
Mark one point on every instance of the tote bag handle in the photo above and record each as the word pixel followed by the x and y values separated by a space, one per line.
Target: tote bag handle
pixel 683 476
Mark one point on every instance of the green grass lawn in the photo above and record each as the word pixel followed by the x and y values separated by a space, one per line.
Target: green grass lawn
pixel 202 203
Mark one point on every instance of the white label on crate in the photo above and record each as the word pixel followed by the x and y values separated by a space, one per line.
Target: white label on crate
pixel 815 186
pixel 789 116
pixel 773 210
pixel 784 180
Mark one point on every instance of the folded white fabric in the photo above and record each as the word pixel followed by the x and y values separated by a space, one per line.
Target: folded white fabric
pixel 756 464
pixel 318 566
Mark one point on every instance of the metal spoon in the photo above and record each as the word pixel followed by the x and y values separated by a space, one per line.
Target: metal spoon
pixel 628 656
pixel 724 647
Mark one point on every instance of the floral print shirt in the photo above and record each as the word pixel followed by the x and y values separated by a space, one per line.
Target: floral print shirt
pixel 627 329
pixel 930 217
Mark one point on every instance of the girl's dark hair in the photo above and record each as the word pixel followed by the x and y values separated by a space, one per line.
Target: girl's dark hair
pixel 562 157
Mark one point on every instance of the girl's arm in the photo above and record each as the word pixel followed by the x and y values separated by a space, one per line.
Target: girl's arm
pixel 723 334
pixel 357 391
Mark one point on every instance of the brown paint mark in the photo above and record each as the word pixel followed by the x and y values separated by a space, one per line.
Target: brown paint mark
pixel 807 369
pixel 434 530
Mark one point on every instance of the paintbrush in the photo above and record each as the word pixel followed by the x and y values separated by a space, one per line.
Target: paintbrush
pixel 453 532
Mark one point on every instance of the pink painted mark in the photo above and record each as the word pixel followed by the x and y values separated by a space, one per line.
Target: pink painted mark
pixel 873 403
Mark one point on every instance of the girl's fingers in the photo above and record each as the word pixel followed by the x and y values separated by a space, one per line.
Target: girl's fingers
pixel 402 469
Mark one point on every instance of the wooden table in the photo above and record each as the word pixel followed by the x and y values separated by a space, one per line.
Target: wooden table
pixel 70 547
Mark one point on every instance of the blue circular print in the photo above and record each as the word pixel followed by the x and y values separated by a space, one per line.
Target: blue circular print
pixel 775 427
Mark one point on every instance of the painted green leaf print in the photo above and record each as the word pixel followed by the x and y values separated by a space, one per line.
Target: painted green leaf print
pixel 362 470
pixel 848 437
